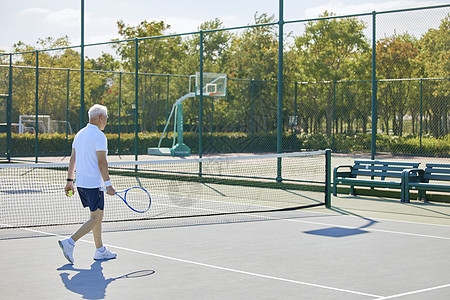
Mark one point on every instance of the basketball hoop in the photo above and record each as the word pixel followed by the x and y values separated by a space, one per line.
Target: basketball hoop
pixel 213 94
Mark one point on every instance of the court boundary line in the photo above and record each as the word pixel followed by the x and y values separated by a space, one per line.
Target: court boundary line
pixel 415 292
pixel 346 226
pixel 333 213
pixel 400 221
pixel 406 222
pixel 219 267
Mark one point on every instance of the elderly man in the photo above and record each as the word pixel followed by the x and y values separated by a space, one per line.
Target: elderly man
pixel 88 159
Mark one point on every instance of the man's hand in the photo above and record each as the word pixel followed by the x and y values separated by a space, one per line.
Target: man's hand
pixel 110 190
pixel 69 187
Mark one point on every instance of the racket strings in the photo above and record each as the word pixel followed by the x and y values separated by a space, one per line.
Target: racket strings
pixel 136 198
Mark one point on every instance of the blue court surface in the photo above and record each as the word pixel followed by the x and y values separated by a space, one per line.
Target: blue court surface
pixel 361 248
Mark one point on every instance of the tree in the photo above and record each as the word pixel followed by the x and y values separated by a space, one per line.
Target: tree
pixel 328 51
pixel 254 52
pixel 254 55
pixel 395 60
pixel 434 57
pixel 52 82
pixel 215 47
pixel 157 56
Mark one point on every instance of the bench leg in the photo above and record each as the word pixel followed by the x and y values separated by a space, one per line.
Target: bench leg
pixel 352 190
pixel 405 194
pixel 421 196
pixel 335 188
pixel 402 193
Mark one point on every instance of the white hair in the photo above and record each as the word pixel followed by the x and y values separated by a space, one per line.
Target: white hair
pixel 97 110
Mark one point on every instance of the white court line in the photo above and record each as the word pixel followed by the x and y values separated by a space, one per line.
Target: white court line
pixel 218 267
pixel 392 220
pixel 415 292
pixel 279 278
pixel 349 227
pixel 327 224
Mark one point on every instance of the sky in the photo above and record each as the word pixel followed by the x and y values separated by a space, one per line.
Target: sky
pixel 29 20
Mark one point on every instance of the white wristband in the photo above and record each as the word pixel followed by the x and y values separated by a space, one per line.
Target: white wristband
pixel 108 183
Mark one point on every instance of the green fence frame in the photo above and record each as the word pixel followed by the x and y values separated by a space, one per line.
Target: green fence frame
pixel 280 101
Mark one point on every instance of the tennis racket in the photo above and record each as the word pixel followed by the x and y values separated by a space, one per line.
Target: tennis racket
pixel 136 274
pixel 136 198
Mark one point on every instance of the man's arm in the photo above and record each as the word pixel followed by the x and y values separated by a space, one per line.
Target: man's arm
pixel 70 174
pixel 103 167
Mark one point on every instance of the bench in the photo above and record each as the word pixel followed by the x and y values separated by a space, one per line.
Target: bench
pixel 371 173
pixel 435 177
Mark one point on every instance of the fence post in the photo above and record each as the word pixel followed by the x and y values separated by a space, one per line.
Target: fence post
pixel 9 111
pixel 67 110
pixel 136 97
pixel 280 90
pixel 120 106
pixel 333 115
pixel 167 97
pixel 421 112
pixel 82 110
pixel 200 113
pixel 36 100
pixel 374 88
pixel 295 100
pixel 252 91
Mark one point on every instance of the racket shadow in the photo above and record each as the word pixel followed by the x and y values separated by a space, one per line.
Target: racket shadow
pixel 91 283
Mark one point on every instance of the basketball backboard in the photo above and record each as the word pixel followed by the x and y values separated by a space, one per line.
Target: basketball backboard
pixel 214 84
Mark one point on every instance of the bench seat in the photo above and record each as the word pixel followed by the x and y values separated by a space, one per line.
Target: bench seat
pixel 371 173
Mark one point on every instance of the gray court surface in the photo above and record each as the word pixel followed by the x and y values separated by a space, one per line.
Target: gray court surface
pixel 362 248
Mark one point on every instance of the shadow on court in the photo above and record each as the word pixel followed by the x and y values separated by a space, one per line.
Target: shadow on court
pixel 91 283
pixel 344 231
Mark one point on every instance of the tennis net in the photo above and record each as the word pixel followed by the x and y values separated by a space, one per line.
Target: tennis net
pixel 32 195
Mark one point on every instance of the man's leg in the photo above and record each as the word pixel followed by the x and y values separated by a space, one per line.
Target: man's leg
pixel 94 199
pixel 97 230
pixel 95 224
pixel 95 218
pixel 101 253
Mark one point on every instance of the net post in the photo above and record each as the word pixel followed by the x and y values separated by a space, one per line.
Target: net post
pixel 279 171
pixel 327 178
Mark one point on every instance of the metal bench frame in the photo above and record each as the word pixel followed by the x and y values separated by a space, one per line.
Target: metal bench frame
pixel 375 173
pixel 426 180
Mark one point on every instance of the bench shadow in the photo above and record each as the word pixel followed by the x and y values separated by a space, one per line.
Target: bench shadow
pixel 429 208
pixel 338 232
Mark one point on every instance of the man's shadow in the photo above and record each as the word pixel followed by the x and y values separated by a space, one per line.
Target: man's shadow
pixel 91 283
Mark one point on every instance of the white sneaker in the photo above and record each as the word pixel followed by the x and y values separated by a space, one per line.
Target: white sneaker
pixel 104 255
pixel 67 249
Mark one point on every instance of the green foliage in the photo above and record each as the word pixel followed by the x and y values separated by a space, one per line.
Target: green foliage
pixel 413 146
pixel 254 53
pixel 328 50
pixel 58 144
pixel 329 46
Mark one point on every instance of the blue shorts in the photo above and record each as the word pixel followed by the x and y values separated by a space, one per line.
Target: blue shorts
pixel 92 198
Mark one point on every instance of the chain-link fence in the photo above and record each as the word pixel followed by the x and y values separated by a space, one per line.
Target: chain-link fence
pixel 413 115
pixel 341 77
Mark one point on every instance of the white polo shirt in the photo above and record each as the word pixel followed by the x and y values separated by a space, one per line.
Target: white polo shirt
pixel 86 143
